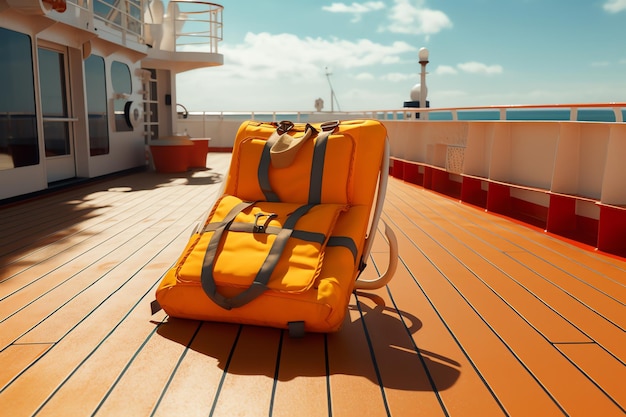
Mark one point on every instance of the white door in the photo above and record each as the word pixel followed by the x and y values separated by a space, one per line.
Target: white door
pixel 58 132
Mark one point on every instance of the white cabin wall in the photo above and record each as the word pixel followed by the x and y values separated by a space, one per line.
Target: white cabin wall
pixel 166 111
pixel 79 111
pixel 127 148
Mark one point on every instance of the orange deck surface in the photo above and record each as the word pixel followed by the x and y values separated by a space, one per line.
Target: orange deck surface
pixel 485 317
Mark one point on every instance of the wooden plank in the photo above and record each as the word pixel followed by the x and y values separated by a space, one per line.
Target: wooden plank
pixel 577 286
pixel 46 203
pixel 44 378
pixel 437 273
pixel 562 380
pixel 599 328
pixel 195 381
pixel 51 224
pixel 63 284
pixel 354 386
pixel 605 273
pixel 541 278
pixel 16 358
pixel 407 388
pixel 87 355
pixel 541 287
pixel 147 372
pixel 456 332
pixel 301 386
pixel 127 315
pixel 249 379
pixel 595 283
pixel 79 284
pixel 52 251
pixel 611 269
pixel 603 368
pixel 460 388
pixel 498 271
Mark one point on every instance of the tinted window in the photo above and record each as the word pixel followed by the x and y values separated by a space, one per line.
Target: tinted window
pixel 122 84
pixel 97 105
pixel 18 122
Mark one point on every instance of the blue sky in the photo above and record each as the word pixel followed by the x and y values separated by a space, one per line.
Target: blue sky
pixel 482 52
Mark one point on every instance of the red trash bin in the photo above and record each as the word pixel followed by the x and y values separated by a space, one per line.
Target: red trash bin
pixel 171 154
pixel 199 152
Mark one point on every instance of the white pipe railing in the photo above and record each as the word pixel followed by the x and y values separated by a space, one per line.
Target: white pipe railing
pixel 123 15
pixel 222 126
pixel 503 112
pixel 197 24
pixel 188 25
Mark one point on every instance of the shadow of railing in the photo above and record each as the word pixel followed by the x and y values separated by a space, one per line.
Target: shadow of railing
pixel 75 212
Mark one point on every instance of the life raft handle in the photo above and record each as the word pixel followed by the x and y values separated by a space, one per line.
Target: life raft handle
pixel 391 237
pixel 391 267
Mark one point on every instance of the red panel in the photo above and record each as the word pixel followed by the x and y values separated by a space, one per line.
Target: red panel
pixel 499 198
pixel 397 169
pixel 531 213
pixel 612 230
pixel 412 174
pixel 428 177
pixel 472 192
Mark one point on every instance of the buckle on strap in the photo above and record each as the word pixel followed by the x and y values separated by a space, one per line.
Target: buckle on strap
pixel 329 126
pixel 258 228
pixel 284 126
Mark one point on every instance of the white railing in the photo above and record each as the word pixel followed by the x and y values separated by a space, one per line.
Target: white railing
pixel 198 25
pixel 221 127
pixel 184 25
pixel 558 167
pixel 194 26
pixel 505 111
pixel 604 112
pixel 125 16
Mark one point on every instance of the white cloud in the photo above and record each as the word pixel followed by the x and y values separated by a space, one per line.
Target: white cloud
pixel 284 71
pixel 364 76
pixel 600 64
pixel 412 17
pixel 445 69
pixel 356 9
pixel 304 57
pixel 399 77
pixel 480 68
pixel 615 6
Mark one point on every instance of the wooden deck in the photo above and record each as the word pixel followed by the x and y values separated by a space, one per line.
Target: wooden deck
pixel 485 317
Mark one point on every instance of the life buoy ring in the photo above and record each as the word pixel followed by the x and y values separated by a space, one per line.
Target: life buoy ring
pixel 57 5
pixel 133 112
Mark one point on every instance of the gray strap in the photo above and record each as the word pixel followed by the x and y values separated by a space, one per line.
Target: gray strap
pixel 317 168
pixel 259 285
pixel 208 284
pixel 344 241
pixel 314 237
pixel 264 169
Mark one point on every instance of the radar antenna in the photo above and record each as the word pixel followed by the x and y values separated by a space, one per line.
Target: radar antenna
pixel 333 97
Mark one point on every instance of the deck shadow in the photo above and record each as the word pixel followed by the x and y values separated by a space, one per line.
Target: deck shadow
pixel 374 343
pixel 50 218
pixel 151 180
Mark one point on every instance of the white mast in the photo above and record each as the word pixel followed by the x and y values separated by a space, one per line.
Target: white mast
pixel 333 97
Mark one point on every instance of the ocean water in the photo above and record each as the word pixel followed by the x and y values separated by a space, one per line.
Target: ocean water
pixel 583 115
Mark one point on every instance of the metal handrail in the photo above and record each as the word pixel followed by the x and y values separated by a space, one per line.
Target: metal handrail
pixel 197 25
pixel 398 114
pixel 190 25
pixel 124 15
